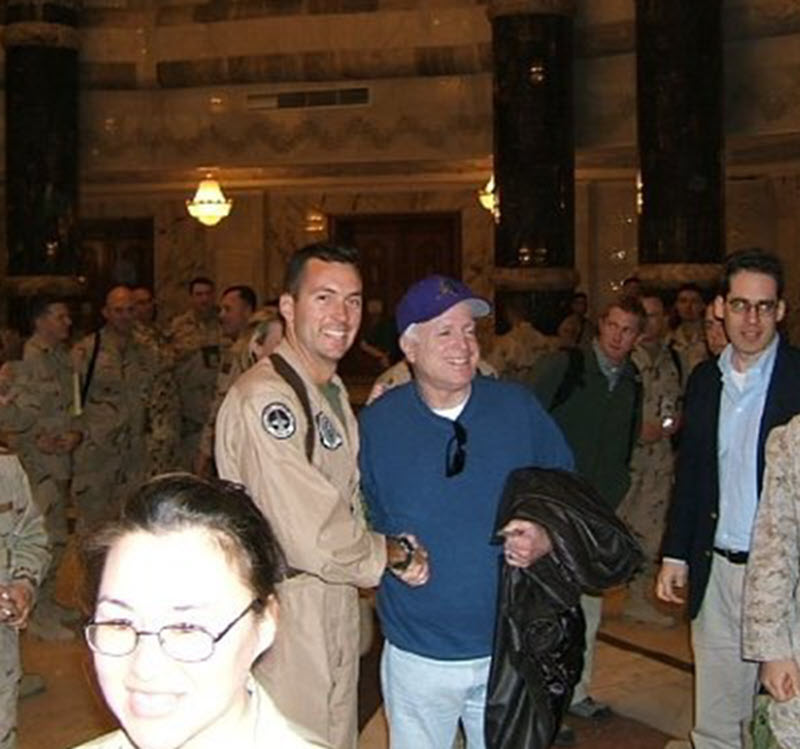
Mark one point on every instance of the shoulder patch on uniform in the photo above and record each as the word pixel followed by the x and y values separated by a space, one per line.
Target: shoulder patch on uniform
pixel 278 420
pixel 328 436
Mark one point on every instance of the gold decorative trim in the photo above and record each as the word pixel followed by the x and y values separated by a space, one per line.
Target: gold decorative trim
pixel 27 286
pixel 671 275
pixel 535 279
pixel 530 7
pixel 40 34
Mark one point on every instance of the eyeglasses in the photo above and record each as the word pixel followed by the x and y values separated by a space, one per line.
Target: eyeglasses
pixel 189 643
pixel 455 455
pixel 763 308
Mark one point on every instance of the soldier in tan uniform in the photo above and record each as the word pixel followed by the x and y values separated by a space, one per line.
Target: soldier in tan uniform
pixel 645 505
pixel 144 313
pixel 292 440
pixel 688 338
pixel 118 373
pixel 196 339
pixel 236 307
pixel 515 353
pixel 45 430
pixel 24 556
pixel 771 624
pixel 163 422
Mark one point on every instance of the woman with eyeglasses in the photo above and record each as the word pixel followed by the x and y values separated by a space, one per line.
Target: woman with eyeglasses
pixel 182 590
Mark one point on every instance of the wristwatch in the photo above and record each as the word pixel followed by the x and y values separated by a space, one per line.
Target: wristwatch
pixel 408 547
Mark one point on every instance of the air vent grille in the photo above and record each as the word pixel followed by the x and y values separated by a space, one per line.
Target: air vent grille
pixel 330 97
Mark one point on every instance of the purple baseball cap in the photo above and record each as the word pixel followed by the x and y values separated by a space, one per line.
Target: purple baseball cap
pixel 433 295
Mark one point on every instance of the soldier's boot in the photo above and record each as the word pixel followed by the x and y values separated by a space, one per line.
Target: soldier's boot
pixel 30 685
pixel 46 625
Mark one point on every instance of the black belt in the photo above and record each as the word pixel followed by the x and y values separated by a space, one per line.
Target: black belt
pixel 734 557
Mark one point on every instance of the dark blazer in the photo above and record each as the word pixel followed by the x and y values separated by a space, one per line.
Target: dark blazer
pixel 692 519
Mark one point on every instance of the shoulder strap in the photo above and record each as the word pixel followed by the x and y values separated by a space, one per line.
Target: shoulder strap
pixel 676 360
pixel 90 370
pixel 295 382
pixel 573 377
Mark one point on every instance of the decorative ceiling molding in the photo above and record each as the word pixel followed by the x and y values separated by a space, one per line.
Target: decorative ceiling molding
pixel 498 8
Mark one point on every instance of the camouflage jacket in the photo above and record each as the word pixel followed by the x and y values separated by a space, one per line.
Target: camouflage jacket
pixel 770 618
pixel 197 349
pixel 120 394
pixel 45 400
pixel 515 354
pixel 235 360
pixel 24 551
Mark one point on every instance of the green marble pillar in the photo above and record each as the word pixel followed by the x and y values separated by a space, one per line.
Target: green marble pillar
pixel 680 131
pixel 533 133
pixel 41 87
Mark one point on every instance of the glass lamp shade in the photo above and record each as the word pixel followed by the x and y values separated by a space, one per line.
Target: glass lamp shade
pixel 209 206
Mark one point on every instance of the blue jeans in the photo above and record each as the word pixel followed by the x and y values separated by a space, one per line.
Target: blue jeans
pixel 424 699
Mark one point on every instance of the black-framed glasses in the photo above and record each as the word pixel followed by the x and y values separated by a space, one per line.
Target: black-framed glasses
pixel 189 643
pixel 455 457
pixel 763 308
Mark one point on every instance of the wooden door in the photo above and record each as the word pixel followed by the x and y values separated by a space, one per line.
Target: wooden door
pixel 396 251
pixel 113 252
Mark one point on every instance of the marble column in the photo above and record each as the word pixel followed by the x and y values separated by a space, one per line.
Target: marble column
pixel 681 143
pixel 533 133
pixel 41 86
pixel 534 164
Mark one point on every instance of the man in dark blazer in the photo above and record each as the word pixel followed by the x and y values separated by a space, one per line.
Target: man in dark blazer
pixel 731 404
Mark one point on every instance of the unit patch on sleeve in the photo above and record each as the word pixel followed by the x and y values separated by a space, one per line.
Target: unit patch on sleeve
pixel 328 436
pixel 278 420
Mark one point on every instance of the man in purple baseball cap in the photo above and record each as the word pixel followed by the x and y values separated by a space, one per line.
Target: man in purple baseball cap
pixel 434 295
pixel 434 455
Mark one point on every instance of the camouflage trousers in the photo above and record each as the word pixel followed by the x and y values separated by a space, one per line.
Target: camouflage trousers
pixel 644 508
pixel 100 486
pixel 50 496
pixel 9 686
pixel 775 725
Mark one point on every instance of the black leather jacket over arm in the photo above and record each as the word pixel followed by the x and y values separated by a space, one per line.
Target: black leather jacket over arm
pixel 539 636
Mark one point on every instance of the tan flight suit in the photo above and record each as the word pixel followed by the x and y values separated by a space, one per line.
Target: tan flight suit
pixel 24 554
pixel 316 511
pixel 771 618
pixel 112 459
pixel 44 402
pixel 197 349
pixel 236 359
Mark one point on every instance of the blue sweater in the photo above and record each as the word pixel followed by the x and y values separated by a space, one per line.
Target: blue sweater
pixel 402 459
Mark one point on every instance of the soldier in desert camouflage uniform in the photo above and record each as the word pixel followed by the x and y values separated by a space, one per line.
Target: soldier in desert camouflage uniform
pixel 144 313
pixel 237 305
pixel 196 340
pixel 42 418
pixel 515 353
pixel 645 505
pixel 163 422
pixel 24 556
pixel 118 403
pixel 688 339
pixel 770 624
